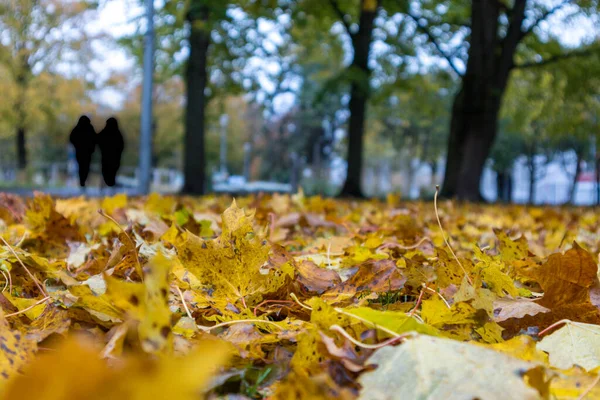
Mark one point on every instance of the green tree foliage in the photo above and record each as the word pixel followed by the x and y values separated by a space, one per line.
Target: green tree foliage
pixel 549 114
pixel 483 42
pixel 358 25
pixel 209 43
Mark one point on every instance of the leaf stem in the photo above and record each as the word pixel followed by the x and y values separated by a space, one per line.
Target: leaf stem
pixel 187 310
pixel 589 389
pixel 28 308
pixel 241 321
pixel 554 325
pixel 345 334
pixel 8 282
pixel 437 215
pixel 37 283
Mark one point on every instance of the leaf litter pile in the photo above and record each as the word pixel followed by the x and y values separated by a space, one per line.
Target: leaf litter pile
pixel 290 297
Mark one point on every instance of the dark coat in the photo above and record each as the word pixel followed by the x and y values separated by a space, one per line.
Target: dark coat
pixel 83 137
pixel 111 143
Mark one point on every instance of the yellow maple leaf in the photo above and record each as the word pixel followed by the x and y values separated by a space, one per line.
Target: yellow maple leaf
pixel 233 264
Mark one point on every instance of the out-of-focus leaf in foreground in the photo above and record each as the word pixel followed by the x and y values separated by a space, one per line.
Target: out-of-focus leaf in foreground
pixel 574 344
pixel 437 368
pixel 75 371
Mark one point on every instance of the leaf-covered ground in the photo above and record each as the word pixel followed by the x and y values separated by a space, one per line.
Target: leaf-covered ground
pixel 285 297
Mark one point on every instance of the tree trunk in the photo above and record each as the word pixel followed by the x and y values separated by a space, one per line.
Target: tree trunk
pixel 532 173
pixel 509 186
pixel 480 132
pixel 504 186
pixel 359 95
pixel 434 172
pixel 21 148
pixel 454 154
pixel 19 108
pixel 196 81
pixel 500 186
pixel 357 108
pixel 473 125
pixel 575 176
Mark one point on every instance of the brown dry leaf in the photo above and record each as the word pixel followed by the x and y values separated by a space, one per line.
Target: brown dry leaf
pixel 567 278
pixel 42 219
pixel 316 279
pixel 507 308
pixel 372 276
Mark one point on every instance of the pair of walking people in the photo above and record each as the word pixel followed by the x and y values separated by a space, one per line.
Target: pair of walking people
pixel 109 140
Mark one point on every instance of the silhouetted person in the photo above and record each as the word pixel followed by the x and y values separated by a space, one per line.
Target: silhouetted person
pixel 83 138
pixel 111 145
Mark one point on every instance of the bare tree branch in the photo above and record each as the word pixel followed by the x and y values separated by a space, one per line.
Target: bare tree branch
pixel 341 15
pixel 425 29
pixel 544 16
pixel 557 58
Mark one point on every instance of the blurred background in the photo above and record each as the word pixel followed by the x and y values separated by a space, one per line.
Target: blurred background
pixel 493 100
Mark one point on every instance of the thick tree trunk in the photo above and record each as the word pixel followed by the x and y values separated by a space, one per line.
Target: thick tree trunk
pixel 357 108
pixel 359 95
pixel 480 132
pixel 196 80
pixel 473 126
pixel 454 155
